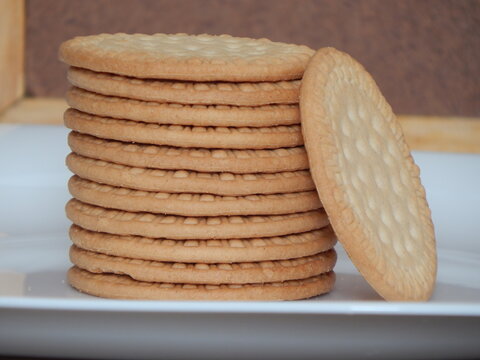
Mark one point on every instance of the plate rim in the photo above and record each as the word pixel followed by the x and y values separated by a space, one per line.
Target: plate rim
pixel 314 308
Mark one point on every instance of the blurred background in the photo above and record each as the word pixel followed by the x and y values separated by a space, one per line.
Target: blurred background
pixel 424 54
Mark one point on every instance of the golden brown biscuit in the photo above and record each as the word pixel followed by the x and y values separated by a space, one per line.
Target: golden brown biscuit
pixel 124 287
pixel 119 222
pixel 185 92
pixel 184 136
pixel 187 57
pixel 203 273
pixel 206 251
pixel 181 181
pixel 175 158
pixel 188 204
pixel 366 177
pixel 182 114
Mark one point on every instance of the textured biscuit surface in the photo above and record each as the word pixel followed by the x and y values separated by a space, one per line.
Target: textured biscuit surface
pixel 182 135
pixel 124 287
pixel 206 251
pixel 197 159
pixel 184 92
pixel 188 204
pixel 203 273
pixel 366 177
pixel 181 181
pixel 119 222
pixel 182 114
pixel 187 57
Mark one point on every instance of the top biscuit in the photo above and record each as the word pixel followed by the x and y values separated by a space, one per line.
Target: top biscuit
pixel 187 57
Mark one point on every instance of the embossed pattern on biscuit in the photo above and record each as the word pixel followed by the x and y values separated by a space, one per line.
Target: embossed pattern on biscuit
pixel 182 114
pixel 367 178
pixel 124 287
pixel 182 135
pixel 188 204
pixel 187 57
pixel 210 250
pixel 197 159
pixel 216 120
pixel 181 181
pixel 203 273
pixel 185 92
pixel 179 227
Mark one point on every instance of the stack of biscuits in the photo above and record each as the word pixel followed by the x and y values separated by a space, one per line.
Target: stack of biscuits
pixel 190 176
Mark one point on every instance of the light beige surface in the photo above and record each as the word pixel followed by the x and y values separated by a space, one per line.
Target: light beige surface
pixel 12 42
pixel 436 133
pixel 432 133
pixel 38 111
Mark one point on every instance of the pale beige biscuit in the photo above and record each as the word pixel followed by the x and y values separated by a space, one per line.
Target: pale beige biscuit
pixel 206 251
pixel 119 222
pixel 203 273
pixel 124 287
pixel 180 181
pixel 197 159
pixel 188 204
pixel 185 92
pixel 366 177
pixel 184 136
pixel 187 57
pixel 182 114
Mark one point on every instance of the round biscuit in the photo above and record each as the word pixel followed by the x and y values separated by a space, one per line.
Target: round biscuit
pixel 124 287
pixel 188 204
pixel 184 92
pixel 197 159
pixel 203 273
pixel 119 222
pixel 181 181
pixel 182 114
pixel 366 178
pixel 205 251
pixel 187 57
pixel 218 137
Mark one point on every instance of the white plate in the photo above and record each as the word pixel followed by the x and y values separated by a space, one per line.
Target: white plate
pixel 40 315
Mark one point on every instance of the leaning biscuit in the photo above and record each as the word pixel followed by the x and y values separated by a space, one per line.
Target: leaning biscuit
pixel 187 57
pixel 184 136
pixel 184 92
pixel 202 273
pixel 182 181
pixel 197 159
pixel 179 227
pixel 206 251
pixel 124 287
pixel 188 204
pixel 366 177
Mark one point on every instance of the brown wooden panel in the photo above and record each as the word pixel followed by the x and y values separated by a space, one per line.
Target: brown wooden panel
pixel 424 54
pixel 12 31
